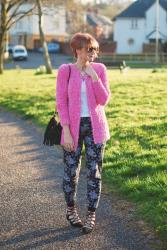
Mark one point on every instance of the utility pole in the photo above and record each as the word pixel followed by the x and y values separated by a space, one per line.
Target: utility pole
pixel 157 33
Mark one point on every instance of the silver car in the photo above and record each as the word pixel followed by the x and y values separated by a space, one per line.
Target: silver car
pixel 19 52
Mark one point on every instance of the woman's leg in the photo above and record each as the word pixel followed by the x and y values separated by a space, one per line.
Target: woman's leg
pixel 94 160
pixel 72 163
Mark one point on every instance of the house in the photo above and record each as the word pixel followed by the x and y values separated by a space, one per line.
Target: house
pixel 26 30
pixel 100 25
pixel 136 26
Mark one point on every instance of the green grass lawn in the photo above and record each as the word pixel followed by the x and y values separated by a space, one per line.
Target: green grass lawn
pixel 135 163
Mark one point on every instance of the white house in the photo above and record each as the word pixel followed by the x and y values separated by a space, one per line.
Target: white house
pixel 26 30
pixel 136 26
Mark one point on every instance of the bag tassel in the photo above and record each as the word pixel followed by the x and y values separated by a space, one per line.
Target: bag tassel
pixel 52 135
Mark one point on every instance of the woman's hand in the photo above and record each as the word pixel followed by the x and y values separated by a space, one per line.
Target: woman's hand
pixel 68 140
pixel 91 72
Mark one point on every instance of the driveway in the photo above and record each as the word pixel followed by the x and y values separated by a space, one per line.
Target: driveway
pixel 32 206
pixel 35 59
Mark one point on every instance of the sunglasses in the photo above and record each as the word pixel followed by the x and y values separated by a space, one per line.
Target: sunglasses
pixel 91 49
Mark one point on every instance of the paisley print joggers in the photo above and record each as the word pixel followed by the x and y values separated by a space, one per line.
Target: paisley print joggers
pixel 94 158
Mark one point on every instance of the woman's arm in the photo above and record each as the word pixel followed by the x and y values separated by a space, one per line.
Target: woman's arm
pixel 68 140
pixel 62 104
pixel 100 85
pixel 62 94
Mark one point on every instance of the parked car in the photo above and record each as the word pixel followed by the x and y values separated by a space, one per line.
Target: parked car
pixel 19 52
pixel 53 47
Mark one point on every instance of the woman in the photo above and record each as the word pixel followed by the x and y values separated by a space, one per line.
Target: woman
pixel 82 91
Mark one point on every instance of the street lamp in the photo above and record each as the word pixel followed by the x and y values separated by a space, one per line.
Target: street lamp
pixel 157 33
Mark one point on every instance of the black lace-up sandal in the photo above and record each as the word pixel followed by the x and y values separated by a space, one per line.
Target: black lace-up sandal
pixel 90 222
pixel 73 217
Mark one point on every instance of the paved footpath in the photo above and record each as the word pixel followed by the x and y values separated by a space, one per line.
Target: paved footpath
pixel 32 208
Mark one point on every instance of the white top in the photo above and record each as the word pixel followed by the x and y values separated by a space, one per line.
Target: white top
pixel 84 103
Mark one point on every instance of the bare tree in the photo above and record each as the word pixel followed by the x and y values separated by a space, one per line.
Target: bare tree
pixel 71 10
pixel 112 7
pixel 74 16
pixel 74 13
pixel 42 38
pixel 50 4
pixel 11 13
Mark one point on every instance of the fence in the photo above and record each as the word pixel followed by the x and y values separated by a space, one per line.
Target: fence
pixel 139 58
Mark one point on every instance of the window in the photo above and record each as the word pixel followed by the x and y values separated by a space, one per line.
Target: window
pixel 134 23
pixel 131 41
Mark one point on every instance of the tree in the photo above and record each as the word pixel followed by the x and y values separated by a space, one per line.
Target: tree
pixel 74 16
pixel 74 13
pixel 42 38
pixel 11 12
pixel 50 4
pixel 112 7
pixel 71 10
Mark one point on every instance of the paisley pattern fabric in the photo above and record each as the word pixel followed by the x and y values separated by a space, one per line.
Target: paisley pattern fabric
pixel 94 158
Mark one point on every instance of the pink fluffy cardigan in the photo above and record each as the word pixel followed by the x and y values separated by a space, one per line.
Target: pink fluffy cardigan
pixel 68 101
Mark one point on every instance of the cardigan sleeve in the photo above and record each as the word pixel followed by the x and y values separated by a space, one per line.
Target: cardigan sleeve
pixel 101 87
pixel 62 94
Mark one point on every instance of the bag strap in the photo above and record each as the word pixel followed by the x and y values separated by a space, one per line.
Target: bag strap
pixel 69 67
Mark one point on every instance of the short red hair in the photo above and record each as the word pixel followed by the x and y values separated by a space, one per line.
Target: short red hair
pixel 83 40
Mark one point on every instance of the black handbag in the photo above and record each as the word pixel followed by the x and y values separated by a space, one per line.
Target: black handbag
pixel 52 135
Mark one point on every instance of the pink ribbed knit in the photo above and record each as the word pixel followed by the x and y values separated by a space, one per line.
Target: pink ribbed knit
pixel 68 101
